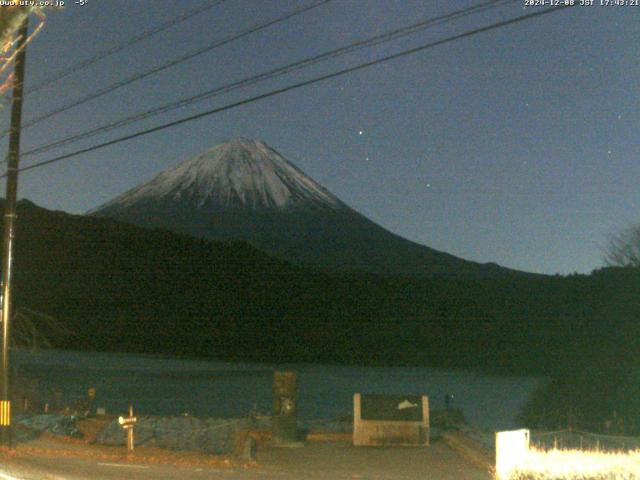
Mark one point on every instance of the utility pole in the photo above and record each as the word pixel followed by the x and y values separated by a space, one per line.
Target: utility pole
pixel 9 224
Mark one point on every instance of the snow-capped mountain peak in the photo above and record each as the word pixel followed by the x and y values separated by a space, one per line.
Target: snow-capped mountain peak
pixel 243 190
pixel 239 172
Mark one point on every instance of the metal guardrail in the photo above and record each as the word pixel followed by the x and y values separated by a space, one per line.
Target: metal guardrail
pixel 142 427
pixel 581 440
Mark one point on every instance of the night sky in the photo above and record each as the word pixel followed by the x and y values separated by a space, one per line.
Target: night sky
pixel 518 146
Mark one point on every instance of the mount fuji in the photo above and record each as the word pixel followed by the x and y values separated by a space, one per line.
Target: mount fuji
pixel 245 190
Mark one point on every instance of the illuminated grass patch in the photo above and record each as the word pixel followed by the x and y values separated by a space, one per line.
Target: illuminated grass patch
pixel 579 465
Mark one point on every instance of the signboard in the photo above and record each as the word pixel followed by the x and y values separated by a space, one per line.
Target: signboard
pixel 398 408
pixel 127 422
pixel 390 420
pixel 511 452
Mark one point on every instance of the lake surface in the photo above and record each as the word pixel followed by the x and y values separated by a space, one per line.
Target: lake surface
pixel 166 386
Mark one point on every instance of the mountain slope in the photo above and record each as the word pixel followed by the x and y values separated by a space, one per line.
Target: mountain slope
pixel 120 287
pixel 245 190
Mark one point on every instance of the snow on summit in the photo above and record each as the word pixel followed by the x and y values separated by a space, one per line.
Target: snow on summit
pixel 243 190
pixel 239 172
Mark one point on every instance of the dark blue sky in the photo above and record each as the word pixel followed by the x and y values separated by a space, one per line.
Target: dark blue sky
pixel 518 146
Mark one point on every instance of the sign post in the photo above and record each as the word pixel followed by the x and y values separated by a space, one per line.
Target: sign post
pixel 128 424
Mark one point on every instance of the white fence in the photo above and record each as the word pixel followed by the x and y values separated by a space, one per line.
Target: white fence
pixel 578 456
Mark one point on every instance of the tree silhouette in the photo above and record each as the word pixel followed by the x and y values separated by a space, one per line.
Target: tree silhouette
pixel 624 248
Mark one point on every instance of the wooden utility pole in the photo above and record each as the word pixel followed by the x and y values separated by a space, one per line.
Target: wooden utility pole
pixel 9 234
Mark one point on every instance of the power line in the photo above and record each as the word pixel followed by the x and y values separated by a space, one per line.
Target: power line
pixel 172 63
pixel 295 86
pixel 121 46
pixel 270 74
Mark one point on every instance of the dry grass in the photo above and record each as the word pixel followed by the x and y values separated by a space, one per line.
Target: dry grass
pixel 580 465
pixel 49 445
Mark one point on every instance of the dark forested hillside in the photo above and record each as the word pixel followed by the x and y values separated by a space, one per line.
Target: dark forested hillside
pixel 120 287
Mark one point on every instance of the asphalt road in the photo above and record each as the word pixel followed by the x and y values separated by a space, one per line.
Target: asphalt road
pixel 314 461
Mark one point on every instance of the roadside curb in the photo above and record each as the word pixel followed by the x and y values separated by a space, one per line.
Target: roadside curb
pixel 469 449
